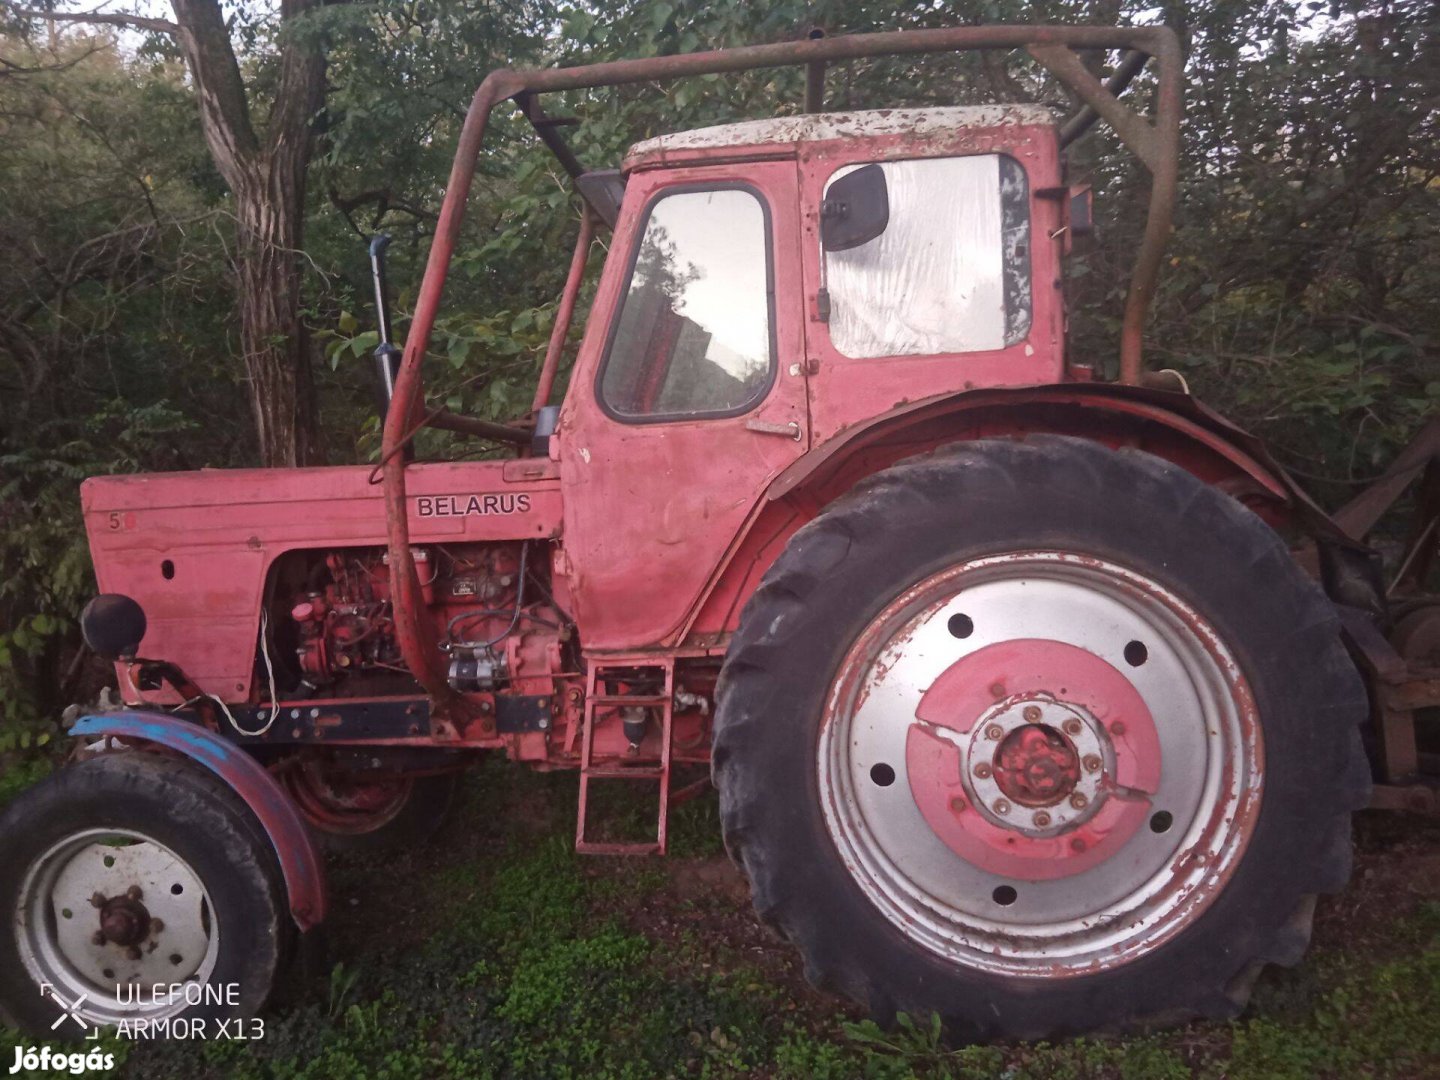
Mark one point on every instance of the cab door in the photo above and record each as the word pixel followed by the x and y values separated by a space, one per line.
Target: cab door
pixel 687 400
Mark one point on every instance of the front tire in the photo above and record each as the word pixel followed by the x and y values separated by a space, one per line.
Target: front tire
pixel 1040 737
pixel 126 871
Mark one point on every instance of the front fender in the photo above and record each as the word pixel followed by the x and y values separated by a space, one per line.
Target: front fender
pixel 300 863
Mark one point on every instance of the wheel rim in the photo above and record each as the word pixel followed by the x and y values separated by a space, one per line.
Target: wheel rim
pixel 1040 764
pixel 335 804
pixel 105 908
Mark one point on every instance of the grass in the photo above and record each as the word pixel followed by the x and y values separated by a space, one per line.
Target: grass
pixel 496 952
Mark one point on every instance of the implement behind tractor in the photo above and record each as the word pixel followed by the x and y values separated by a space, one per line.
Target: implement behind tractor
pixel 1020 709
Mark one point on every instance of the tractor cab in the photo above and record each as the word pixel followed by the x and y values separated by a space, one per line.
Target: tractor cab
pixel 773 283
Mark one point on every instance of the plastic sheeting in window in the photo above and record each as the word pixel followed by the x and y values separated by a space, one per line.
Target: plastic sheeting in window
pixel 950 272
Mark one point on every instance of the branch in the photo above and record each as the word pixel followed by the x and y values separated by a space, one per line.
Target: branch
pixel 137 22
pixel 9 67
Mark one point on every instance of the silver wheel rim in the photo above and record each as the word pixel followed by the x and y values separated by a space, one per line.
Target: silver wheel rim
pixel 161 903
pixel 977 910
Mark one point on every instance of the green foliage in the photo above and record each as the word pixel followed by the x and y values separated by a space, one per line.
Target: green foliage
pixel 1378 1020
pixel 20 775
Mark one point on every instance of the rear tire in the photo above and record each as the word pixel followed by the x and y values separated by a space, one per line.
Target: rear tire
pixel 890 902
pixel 192 891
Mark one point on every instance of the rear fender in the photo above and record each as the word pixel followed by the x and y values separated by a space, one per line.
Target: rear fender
pixel 300 863
pixel 1171 425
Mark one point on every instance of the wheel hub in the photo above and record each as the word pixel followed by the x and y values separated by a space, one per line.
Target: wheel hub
pixel 124 920
pixel 1037 765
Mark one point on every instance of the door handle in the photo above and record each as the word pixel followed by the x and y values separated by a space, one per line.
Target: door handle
pixel 764 427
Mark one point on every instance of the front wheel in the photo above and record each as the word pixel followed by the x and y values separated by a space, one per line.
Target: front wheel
pixel 1042 738
pixel 129 872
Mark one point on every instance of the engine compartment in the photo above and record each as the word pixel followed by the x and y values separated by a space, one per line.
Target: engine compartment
pixel 331 629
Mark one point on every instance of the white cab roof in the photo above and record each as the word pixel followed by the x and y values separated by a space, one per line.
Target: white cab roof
pixel 818 127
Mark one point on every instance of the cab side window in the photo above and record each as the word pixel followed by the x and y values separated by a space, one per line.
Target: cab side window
pixel 947 271
pixel 694 336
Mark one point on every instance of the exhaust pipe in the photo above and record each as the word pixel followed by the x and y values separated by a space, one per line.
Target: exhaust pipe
pixel 387 356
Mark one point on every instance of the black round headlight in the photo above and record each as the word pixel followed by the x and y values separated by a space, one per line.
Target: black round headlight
pixel 113 625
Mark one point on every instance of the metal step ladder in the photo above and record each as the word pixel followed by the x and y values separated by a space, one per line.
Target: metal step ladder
pixel 597 698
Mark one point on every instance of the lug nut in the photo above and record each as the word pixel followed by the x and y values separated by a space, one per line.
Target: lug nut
pixel 1117 728
pixel 1072 726
pixel 135 893
pixel 1032 713
pixel 98 900
pixel 156 925
pixel 1077 845
pixel 982 771
pixel 994 731
pixel 1092 763
pixel 1078 800
pixel 1001 806
pixel 958 804
pixel 1041 819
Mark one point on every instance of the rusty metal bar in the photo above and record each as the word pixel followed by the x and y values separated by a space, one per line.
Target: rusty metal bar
pixel 556 348
pixel 815 77
pixel 1158 144
pixel 1131 64
pixel 446 420
pixel 1360 514
pixel 545 127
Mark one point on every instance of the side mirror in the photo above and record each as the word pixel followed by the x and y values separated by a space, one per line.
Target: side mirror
pixel 856 209
pixel 113 626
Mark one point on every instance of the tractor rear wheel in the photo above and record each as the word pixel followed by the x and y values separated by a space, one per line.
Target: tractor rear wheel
pixel 130 871
pixel 1040 737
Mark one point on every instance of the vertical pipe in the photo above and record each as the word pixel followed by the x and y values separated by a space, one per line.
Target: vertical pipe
pixel 1164 190
pixel 561 329
pixel 815 78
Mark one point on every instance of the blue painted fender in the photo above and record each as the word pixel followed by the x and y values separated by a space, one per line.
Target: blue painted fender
pixel 300 863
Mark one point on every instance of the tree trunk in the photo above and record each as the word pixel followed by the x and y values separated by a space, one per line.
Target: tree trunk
pixel 273 335
pixel 267 178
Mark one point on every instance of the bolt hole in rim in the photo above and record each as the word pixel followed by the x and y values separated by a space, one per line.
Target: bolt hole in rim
pixel 1120 894
pixel 180 942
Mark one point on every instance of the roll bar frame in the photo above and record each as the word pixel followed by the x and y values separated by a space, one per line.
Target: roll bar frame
pixel 1155 141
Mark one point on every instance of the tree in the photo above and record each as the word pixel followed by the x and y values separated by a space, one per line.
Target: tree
pixel 264 165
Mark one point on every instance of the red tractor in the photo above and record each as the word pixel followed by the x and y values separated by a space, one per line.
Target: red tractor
pixel 1032 701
